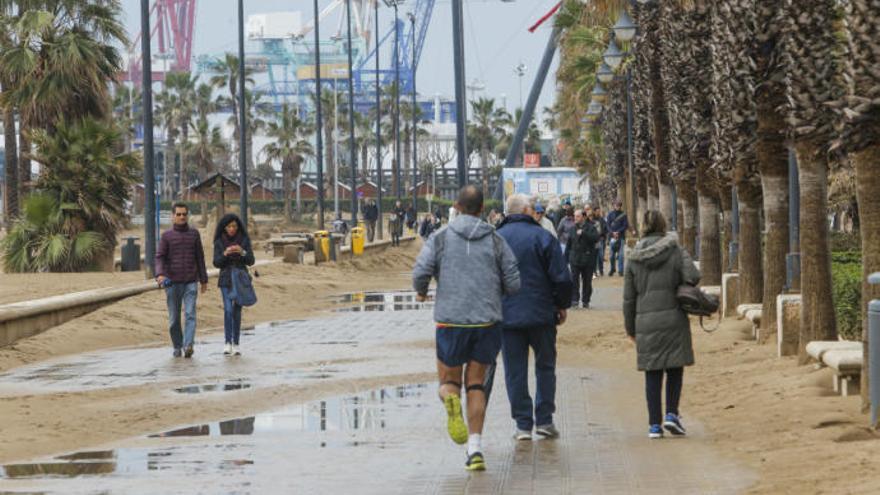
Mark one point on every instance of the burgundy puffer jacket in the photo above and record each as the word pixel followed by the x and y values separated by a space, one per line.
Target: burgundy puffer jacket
pixel 180 257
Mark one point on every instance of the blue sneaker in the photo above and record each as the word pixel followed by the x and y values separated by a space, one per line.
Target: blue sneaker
pixel 655 432
pixel 673 425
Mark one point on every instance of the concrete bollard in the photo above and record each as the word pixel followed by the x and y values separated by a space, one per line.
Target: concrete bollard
pixel 729 294
pixel 293 254
pixel 874 350
pixel 788 324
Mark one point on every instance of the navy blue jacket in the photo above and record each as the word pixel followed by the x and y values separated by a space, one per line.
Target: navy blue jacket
pixel 618 223
pixel 544 276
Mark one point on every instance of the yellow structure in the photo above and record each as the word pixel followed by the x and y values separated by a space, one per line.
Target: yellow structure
pixel 322 245
pixel 357 241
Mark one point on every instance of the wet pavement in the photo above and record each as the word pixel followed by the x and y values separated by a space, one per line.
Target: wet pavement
pixel 386 440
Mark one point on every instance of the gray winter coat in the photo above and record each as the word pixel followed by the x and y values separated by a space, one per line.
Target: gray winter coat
pixel 478 268
pixel 654 270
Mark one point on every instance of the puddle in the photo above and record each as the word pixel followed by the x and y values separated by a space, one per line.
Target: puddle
pixel 381 301
pixel 230 386
pixel 335 422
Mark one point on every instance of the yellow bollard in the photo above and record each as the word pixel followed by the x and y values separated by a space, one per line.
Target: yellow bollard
pixel 357 241
pixel 322 246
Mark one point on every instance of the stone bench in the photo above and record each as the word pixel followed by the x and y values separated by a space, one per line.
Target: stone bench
pixel 752 313
pixel 278 244
pixel 712 290
pixel 844 357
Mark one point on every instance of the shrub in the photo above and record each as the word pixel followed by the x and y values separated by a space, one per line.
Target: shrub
pixel 846 271
pixel 846 241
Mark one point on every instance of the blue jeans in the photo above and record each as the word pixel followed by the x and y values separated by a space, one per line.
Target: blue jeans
pixel 515 345
pixel 182 295
pixel 618 255
pixel 600 258
pixel 231 317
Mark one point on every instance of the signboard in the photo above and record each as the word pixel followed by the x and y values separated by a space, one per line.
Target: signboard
pixel 532 160
pixel 551 185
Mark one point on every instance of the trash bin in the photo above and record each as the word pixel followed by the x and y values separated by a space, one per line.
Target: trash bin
pixel 357 241
pixel 322 246
pixel 131 255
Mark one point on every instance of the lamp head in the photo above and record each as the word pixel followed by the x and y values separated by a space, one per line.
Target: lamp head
pixel 613 56
pixel 625 28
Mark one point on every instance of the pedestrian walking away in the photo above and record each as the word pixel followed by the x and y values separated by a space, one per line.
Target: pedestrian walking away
pixel 180 268
pixel 531 317
pixel 655 322
pixel 582 259
pixel 474 268
pixel 618 224
pixel 371 216
pixel 232 251
pixel 395 223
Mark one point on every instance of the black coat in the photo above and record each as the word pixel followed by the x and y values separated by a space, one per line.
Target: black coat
pixel 224 263
pixel 582 245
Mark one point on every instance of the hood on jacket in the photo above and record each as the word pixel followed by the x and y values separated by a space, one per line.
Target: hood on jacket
pixel 470 227
pixel 226 220
pixel 519 217
pixel 654 249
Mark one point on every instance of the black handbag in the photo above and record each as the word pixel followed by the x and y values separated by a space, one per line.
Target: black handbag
pixel 694 301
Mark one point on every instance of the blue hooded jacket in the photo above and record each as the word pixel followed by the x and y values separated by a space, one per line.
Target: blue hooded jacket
pixel 545 280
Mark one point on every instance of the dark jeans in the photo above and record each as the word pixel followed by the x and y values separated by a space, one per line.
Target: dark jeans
pixel 600 258
pixel 515 345
pixel 182 296
pixel 582 276
pixel 231 317
pixel 617 255
pixel 371 230
pixel 396 228
pixel 653 389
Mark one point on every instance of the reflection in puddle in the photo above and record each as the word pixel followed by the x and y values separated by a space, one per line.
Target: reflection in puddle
pixel 374 410
pixel 382 301
pixel 214 387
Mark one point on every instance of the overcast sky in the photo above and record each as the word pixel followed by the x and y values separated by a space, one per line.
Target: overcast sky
pixel 496 40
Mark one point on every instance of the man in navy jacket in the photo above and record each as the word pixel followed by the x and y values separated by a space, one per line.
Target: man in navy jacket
pixel 531 317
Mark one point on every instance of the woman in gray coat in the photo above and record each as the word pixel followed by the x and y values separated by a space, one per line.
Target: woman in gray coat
pixel 654 321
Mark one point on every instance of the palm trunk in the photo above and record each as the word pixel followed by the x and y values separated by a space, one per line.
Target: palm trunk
pixel 642 191
pixel 710 239
pixel 329 147
pixel 868 185
pixel 407 158
pixel 654 193
pixel 687 193
pixel 818 320
pixel 11 173
pixel 285 178
pixel 182 179
pixel 297 215
pixel 751 273
pixel 774 178
pixel 484 169
pixel 24 161
pixel 666 198
pixel 724 193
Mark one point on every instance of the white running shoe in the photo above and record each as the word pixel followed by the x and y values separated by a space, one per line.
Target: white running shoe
pixel 227 349
pixel 236 351
pixel 522 435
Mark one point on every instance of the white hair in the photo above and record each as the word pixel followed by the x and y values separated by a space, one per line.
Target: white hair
pixel 518 203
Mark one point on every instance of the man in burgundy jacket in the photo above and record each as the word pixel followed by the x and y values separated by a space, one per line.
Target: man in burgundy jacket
pixel 180 268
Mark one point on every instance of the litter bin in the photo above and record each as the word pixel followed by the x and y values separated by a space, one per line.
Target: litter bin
pixel 131 255
pixel 322 246
pixel 357 241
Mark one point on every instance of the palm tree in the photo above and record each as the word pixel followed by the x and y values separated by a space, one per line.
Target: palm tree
pixel 9 135
pixel 226 76
pixel 169 112
pixel 126 111
pixel 184 85
pixel 205 148
pixel 860 139
pixel 813 63
pixel 290 147
pixel 485 129
pixel 255 109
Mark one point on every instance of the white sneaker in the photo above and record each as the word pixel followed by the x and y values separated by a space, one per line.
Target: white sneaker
pixel 227 349
pixel 522 435
pixel 236 351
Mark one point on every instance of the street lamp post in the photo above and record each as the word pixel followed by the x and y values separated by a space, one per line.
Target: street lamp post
pixel 395 4
pixel 319 124
pixel 149 173
pixel 415 120
pixel 460 95
pixel 352 152
pixel 242 119
pixel 378 126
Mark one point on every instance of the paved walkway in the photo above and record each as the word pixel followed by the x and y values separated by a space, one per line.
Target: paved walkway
pixel 389 440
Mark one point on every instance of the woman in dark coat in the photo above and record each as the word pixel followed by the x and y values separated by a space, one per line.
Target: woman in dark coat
pixel 654 320
pixel 232 248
